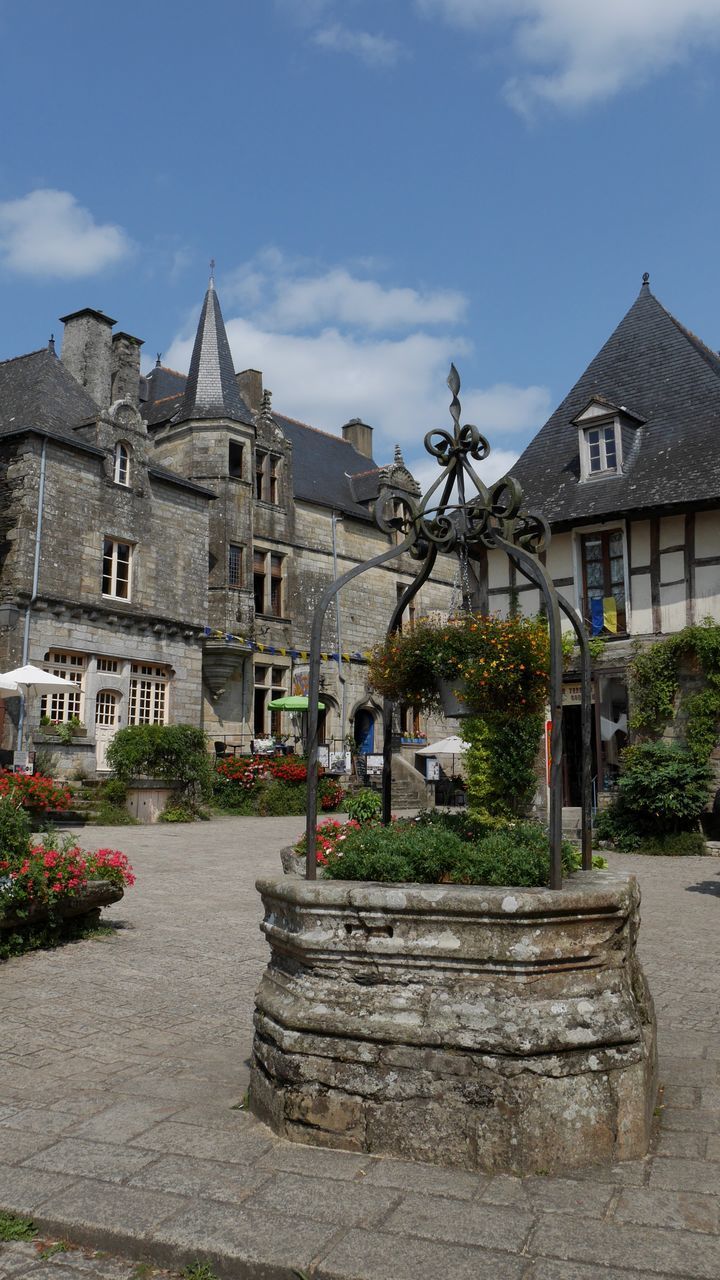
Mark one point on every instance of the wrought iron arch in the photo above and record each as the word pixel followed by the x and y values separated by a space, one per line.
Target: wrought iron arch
pixel 491 517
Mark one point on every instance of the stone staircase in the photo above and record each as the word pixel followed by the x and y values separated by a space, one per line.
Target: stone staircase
pixel 84 802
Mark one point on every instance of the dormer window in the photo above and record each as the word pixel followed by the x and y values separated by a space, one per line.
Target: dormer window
pixel 121 473
pixel 603 428
pixel 601 449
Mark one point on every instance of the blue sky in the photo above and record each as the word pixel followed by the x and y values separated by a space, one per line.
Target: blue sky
pixel 384 187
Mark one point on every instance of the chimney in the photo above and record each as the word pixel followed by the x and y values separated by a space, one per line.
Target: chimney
pixel 359 434
pixel 87 352
pixel 125 383
pixel 250 386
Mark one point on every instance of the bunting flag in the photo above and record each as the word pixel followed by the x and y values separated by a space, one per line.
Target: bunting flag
pixel 301 655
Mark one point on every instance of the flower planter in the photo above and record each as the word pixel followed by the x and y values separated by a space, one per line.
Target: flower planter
pixel 498 1029
pixel 96 894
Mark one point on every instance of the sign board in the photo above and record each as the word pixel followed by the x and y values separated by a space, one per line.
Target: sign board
pixel 374 763
pixel 340 762
pixel 324 757
pixel 22 763
pixel 572 694
pixel 432 768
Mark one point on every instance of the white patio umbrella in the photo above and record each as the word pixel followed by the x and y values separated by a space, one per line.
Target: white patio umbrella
pixel 451 746
pixel 28 679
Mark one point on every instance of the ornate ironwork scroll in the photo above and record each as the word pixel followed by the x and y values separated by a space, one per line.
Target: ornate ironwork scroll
pixel 460 514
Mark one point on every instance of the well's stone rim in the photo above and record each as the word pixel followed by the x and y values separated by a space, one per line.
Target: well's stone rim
pixel 583 891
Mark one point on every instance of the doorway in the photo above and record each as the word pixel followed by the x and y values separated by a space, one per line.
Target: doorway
pixel 365 731
pixel 107 721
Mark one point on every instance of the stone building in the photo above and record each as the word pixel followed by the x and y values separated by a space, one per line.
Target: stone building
pixel 627 471
pixel 165 539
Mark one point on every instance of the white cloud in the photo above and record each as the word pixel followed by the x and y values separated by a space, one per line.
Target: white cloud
pixel 579 51
pixel 296 295
pixel 373 50
pixel 360 368
pixel 47 233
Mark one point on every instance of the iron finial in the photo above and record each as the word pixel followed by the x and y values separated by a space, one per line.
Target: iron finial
pixel 646 277
pixel 51 344
pixel 158 361
pixel 212 270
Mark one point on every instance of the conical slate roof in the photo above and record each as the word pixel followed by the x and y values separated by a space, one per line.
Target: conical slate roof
pixel 211 390
pixel 668 381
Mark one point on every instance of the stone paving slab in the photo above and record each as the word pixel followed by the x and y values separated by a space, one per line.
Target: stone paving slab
pixel 123 1065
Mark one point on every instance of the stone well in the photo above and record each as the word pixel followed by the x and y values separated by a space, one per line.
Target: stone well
pixel 498 1029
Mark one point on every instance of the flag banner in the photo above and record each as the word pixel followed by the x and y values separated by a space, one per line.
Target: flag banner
pixel 596 617
pixel 610 614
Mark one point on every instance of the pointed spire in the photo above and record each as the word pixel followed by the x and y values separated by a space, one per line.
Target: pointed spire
pixel 211 390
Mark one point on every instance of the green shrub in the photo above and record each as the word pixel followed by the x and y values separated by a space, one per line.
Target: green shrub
pixel 500 762
pixel 276 799
pixel 181 812
pixel 364 805
pixel 662 787
pixel 14 829
pixel 430 853
pixel 174 752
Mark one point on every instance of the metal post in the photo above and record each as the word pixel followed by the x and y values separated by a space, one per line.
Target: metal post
pixel 586 731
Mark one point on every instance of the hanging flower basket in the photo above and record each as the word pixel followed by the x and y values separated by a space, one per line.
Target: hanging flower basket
pixel 474 665
pixel 453 695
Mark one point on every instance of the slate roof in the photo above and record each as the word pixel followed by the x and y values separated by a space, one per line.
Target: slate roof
pixel 664 374
pixel 36 390
pixel 322 467
pixel 211 390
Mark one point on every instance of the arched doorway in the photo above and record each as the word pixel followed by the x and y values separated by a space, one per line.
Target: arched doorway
pixel 364 731
pixel 107 722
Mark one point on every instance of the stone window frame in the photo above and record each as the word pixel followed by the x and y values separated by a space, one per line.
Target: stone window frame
pixel 111 562
pixel 269 582
pixel 273 682
pixel 267 476
pixel 236 459
pixel 121 464
pixel 235 573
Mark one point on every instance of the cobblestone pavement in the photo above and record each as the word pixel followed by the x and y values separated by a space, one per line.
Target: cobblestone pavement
pixel 123 1061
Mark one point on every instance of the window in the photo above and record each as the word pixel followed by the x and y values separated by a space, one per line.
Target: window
pixel 235 460
pixel 117 561
pixel 276 593
pixel 260 460
pixel 268 583
pixel 270 683
pixel 108 664
pixel 603 568
pixel 267 468
pixel 600 450
pixel 148 694
pixel 409 721
pixel 67 702
pixel 106 706
pixel 121 474
pixel 235 573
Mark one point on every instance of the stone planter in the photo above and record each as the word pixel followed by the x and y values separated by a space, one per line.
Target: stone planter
pixel 97 894
pixel 498 1029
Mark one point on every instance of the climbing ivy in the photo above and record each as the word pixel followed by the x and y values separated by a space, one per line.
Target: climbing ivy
pixel 655 683
pixel 500 762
